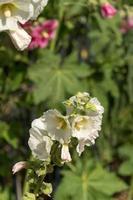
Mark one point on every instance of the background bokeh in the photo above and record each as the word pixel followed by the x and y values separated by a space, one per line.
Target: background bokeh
pixel 90 52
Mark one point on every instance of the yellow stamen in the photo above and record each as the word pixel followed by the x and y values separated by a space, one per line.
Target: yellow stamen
pixel 61 123
pixel 80 124
pixel 45 34
pixel 7 11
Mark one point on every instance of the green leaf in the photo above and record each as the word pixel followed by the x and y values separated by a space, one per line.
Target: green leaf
pixel 53 81
pixel 89 184
pixel 103 181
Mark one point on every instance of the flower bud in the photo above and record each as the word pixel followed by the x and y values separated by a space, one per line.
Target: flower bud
pixel 19 166
pixel 107 10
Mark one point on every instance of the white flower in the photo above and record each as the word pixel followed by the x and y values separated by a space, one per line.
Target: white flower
pixel 85 129
pixel 65 154
pixel 16 12
pixel 59 129
pixel 57 126
pixel 40 144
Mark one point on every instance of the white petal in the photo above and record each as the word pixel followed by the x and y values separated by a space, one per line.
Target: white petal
pixel 40 124
pixel 38 7
pixel 81 145
pixel 20 38
pixel 40 149
pixel 65 154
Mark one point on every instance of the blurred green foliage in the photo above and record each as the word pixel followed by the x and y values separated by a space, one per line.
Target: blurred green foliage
pixel 89 54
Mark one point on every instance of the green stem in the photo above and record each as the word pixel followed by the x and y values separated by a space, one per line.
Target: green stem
pixel 53 43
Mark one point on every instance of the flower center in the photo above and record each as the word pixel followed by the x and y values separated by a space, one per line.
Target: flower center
pixel 45 34
pixel 61 123
pixel 80 124
pixel 7 10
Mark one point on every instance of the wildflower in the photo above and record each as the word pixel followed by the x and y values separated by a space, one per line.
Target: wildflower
pixel 19 166
pixel 43 33
pixel 16 12
pixel 107 10
pixel 57 126
pixel 85 129
pixel 39 142
pixel 59 129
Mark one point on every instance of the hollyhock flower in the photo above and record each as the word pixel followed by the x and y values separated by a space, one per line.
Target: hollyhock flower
pixel 39 142
pixel 19 166
pixel 85 129
pixel 59 129
pixel 58 126
pixel 43 33
pixel 16 12
pixel 107 10
pixel 127 25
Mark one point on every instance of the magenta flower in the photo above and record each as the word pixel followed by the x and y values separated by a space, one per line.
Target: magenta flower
pixel 42 34
pixel 127 25
pixel 107 10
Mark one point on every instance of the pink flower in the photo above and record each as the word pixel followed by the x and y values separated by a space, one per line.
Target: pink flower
pixel 19 166
pixel 107 10
pixel 127 25
pixel 43 33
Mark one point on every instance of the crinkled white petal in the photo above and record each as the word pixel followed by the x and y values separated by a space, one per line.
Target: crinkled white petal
pixel 57 126
pixel 81 145
pixel 65 154
pixel 39 124
pixel 40 145
pixel 20 38
pixel 85 127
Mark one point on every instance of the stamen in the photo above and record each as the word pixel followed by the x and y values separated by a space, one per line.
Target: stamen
pixel 7 11
pixel 61 123
pixel 45 34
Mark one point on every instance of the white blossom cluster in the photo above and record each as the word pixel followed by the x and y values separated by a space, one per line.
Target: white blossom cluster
pixel 82 121
pixel 16 12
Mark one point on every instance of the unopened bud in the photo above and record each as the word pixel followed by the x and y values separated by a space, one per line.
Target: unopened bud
pixel 19 166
